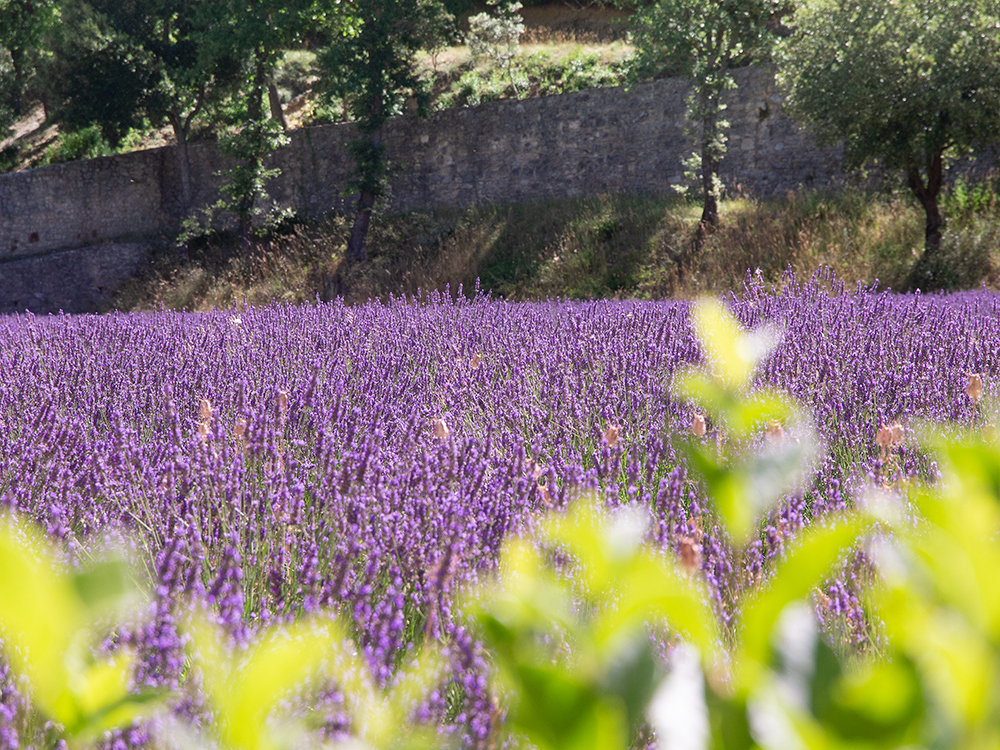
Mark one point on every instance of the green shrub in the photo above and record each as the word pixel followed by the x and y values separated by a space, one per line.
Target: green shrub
pixel 88 143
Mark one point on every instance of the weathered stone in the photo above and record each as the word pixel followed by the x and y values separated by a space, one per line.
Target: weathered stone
pixel 71 281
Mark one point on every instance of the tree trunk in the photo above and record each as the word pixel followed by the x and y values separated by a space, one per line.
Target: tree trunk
pixel 359 231
pixel 17 95
pixel 932 227
pixel 277 113
pixel 362 219
pixel 709 161
pixel 246 234
pixel 255 114
pixel 183 161
pixel 709 172
pixel 255 105
pixel 927 194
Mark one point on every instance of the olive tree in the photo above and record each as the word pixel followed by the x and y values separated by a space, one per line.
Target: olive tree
pixel 704 39
pixel 905 85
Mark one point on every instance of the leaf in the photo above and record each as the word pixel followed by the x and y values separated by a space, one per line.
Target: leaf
pixel 104 700
pixel 652 590
pixel 732 352
pixel 759 409
pixel 728 721
pixel 803 567
pixel 764 478
pixel 955 661
pixel 41 613
pixel 878 702
pixel 551 704
pixel 103 585
pixel 744 490
pixel 48 616
pixel 706 392
pixel 245 691
pixel 631 674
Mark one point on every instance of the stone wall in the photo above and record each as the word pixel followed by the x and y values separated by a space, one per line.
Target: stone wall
pixel 591 142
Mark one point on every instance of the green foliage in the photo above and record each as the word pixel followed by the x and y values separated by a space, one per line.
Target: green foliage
pixel 895 82
pixel 98 75
pixel 497 38
pixel 963 200
pixel 244 688
pixel 741 487
pixel 23 27
pixel 88 143
pixel 906 85
pixel 7 90
pixel 597 697
pixel 537 74
pixel 49 620
pixel 296 73
pixel 371 67
pixel 704 39
pixel 9 157
pixel 244 186
pixel 371 64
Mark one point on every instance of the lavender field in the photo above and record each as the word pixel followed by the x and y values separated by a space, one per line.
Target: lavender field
pixel 371 460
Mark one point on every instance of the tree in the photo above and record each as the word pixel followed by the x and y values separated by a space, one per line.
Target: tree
pixel 498 37
pixel 256 32
pixel 122 64
pixel 23 24
pixel 704 39
pixel 371 67
pixel 907 84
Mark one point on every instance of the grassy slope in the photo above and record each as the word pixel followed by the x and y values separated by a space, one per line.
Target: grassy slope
pixel 608 246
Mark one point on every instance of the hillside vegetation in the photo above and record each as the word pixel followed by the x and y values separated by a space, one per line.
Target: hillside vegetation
pixel 272 76
pixel 611 246
pixel 562 49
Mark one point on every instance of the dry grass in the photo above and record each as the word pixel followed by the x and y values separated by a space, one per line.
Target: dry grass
pixel 624 246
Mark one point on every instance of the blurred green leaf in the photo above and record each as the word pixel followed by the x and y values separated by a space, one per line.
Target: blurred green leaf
pixel 104 584
pixel 48 618
pixel 744 489
pixel 759 409
pixel 732 352
pixel 632 674
pixel 879 702
pixel 654 589
pixel 245 689
pixel 727 717
pixel 705 391
pixel 40 613
pixel 551 704
pixel 803 568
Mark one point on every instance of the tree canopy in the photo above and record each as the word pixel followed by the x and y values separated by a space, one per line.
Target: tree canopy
pixel 23 23
pixel 907 85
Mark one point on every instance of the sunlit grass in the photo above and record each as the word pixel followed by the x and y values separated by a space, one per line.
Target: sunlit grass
pixel 609 246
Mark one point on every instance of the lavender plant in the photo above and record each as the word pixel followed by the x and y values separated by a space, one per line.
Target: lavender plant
pixel 371 461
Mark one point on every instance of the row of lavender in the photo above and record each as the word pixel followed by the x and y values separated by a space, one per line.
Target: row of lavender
pixel 372 459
